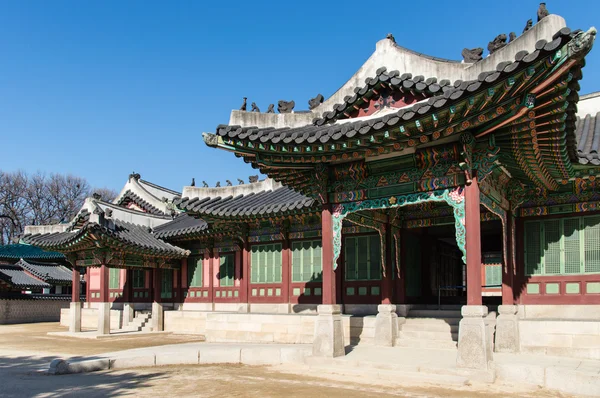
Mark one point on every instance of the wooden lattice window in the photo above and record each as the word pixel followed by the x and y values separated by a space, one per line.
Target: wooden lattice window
pixel 226 270
pixel 266 263
pixel 363 258
pixel 563 246
pixel 113 278
pixel 139 278
pixel 306 261
pixel 194 271
pixel 166 290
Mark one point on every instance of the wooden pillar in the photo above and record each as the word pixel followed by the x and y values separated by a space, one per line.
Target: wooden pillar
pixel 87 284
pixel 127 286
pixel 104 283
pixel 473 242
pixel 76 285
pixel 286 260
pixel 156 280
pixel 182 285
pixel 245 282
pixel 387 282
pixel 329 294
pixel 508 268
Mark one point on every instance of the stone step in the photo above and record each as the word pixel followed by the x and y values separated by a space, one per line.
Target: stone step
pixel 367 370
pixel 451 307
pixel 427 335
pixel 429 327
pixel 433 321
pixel 418 343
pixel 434 314
pixel 130 328
pixel 146 328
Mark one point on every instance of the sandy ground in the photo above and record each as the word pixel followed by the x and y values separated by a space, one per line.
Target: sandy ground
pixel 25 349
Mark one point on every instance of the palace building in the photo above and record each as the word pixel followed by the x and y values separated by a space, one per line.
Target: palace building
pixel 423 190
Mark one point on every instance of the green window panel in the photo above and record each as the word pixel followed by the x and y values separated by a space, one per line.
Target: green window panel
pixel 307 265
pixel 139 278
pixel 563 246
pixel 194 271
pixel 227 270
pixel 533 288
pixel 114 278
pixel 572 288
pixel 493 275
pixel 552 288
pixel 166 284
pixel 593 288
pixel 265 263
pixel 363 258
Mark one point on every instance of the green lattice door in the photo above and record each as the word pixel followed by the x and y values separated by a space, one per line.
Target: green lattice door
pixel 413 265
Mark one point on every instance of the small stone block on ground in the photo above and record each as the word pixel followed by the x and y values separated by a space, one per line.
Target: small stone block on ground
pixel 132 362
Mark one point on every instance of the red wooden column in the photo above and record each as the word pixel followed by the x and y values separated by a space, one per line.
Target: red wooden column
pixel 76 285
pixel 127 296
pixel 508 269
pixel 286 263
pixel 473 242
pixel 329 296
pixel 156 284
pixel 103 283
pixel 87 284
pixel 182 285
pixel 245 282
pixel 387 282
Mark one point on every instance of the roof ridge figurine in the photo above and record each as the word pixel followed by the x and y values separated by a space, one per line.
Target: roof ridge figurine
pixel 270 108
pixel 285 106
pixel 204 184
pixel 314 102
pixel 511 37
pixel 542 12
pixel 472 55
pixel 255 107
pixel 253 179
pixel 229 184
pixel 240 181
pixel 243 107
pixel 193 184
pixel 496 44
pixel 528 25
pixel 391 38
pixel 218 185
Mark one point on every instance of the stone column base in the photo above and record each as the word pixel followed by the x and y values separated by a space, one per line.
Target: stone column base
pixel 157 317
pixel 507 329
pixel 127 313
pixel 329 332
pixel 474 345
pixel 103 318
pixel 75 317
pixel 386 325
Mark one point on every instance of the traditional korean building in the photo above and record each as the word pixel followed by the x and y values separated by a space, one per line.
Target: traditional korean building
pixel 420 182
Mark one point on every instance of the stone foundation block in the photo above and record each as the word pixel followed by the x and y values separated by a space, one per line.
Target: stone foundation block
pixel 329 332
pixel 474 345
pixel 75 317
pixel 507 329
pixel 219 355
pixel 133 362
pixel 103 318
pixel 127 313
pixel 158 313
pixel 386 325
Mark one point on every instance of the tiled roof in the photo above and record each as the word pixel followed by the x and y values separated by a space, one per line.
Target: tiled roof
pixel 17 277
pixel 48 272
pixel 135 237
pixel 588 139
pixel 324 132
pixel 183 224
pixel 17 251
pixel 129 196
pixel 254 204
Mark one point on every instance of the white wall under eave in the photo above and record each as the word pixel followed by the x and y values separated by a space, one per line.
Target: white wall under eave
pixel 588 105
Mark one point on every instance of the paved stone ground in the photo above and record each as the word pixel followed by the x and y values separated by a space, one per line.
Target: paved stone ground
pixel 26 349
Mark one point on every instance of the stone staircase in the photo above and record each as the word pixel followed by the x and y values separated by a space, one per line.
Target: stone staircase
pixel 142 322
pixel 427 327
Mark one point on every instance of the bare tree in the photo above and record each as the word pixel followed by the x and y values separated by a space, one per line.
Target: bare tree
pixel 13 206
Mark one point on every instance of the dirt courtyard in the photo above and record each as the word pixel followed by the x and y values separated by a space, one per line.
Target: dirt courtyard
pixel 26 349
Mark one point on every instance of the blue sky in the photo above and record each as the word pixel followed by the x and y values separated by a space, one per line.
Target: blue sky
pixel 103 88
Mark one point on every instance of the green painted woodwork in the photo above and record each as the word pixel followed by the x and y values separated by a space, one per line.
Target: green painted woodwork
pixel 265 264
pixel 114 278
pixel 226 270
pixel 363 258
pixel 306 261
pixel 362 291
pixel 318 291
pixel 493 275
pixel 139 278
pixel 350 291
pixel 296 291
pixel 572 288
pixel 533 288
pixel 166 284
pixel 375 290
pixel 563 246
pixel 194 271
pixel 552 288
pixel 592 288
